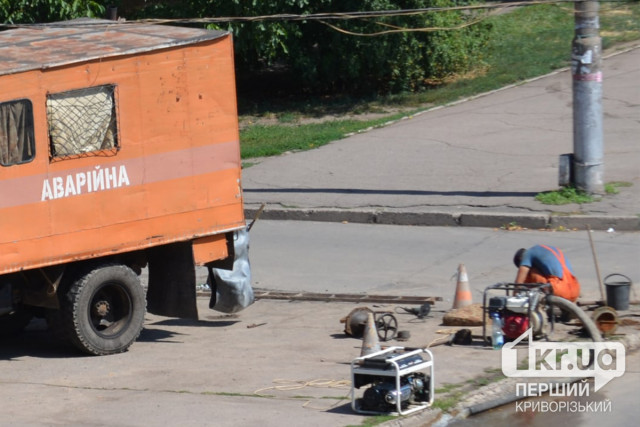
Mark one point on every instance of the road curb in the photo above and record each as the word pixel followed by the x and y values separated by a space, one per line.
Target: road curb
pixel 451 219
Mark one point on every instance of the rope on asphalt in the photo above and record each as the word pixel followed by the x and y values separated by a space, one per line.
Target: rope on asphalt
pixel 438 340
pixel 288 385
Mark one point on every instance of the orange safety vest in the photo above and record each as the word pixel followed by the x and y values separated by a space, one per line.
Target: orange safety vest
pixel 568 287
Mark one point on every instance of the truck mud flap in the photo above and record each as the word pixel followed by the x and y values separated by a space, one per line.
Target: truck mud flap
pixel 172 281
pixel 231 290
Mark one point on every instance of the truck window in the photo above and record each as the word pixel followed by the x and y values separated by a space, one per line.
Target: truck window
pixel 17 144
pixel 83 122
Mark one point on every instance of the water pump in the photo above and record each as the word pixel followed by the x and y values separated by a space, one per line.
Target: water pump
pixel 519 313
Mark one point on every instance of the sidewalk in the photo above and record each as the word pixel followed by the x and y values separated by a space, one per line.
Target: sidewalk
pixel 478 162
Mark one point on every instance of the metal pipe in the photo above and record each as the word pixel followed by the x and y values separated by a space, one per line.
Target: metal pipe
pixel 595 260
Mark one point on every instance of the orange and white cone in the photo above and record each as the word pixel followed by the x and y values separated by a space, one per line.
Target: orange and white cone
pixel 370 342
pixel 463 292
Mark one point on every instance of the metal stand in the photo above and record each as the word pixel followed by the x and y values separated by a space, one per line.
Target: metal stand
pixel 392 363
pixel 533 291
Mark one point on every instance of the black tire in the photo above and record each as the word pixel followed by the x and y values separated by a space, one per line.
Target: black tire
pixel 103 311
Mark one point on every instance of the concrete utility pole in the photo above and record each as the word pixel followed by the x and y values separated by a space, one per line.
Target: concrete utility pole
pixel 586 67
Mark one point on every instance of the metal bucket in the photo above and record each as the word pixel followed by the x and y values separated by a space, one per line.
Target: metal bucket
pixel 618 291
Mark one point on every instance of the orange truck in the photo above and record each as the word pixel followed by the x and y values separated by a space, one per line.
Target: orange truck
pixel 119 158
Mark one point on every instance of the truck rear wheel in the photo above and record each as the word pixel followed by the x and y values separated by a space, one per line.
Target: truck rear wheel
pixel 103 311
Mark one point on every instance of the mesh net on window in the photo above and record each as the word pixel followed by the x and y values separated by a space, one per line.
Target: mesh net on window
pixel 17 144
pixel 82 122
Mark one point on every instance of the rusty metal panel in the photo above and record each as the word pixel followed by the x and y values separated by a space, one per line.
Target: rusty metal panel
pixel 38 47
pixel 210 248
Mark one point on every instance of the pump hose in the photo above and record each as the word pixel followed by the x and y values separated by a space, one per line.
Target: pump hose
pixel 567 305
pixel 551 300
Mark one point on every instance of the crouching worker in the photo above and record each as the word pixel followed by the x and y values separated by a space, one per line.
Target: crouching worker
pixel 547 264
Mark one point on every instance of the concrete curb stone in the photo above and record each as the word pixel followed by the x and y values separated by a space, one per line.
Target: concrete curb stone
pixel 493 220
pixel 596 222
pixel 534 221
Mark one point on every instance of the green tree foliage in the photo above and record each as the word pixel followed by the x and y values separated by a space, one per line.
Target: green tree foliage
pixel 40 11
pixel 347 58
pixel 352 56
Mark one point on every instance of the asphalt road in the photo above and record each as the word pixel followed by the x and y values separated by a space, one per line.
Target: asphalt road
pixel 263 366
pixel 423 261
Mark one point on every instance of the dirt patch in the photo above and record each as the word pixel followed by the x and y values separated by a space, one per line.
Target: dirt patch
pixel 272 119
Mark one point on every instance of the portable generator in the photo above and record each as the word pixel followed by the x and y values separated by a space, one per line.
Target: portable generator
pixel 394 381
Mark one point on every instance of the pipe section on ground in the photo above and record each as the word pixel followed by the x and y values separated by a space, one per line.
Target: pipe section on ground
pixel 567 305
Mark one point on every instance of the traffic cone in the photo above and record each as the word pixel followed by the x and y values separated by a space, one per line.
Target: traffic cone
pixel 463 292
pixel 370 342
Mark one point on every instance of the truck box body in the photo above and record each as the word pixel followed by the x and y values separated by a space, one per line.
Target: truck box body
pixel 175 171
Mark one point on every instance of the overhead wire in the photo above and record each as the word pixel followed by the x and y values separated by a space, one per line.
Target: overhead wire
pixel 349 15
pixel 367 16
pixel 406 30
pixel 491 9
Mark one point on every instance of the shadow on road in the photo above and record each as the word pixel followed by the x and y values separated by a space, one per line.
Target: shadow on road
pixel 196 323
pixel 39 342
pixel 36 341
pixel 527 194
